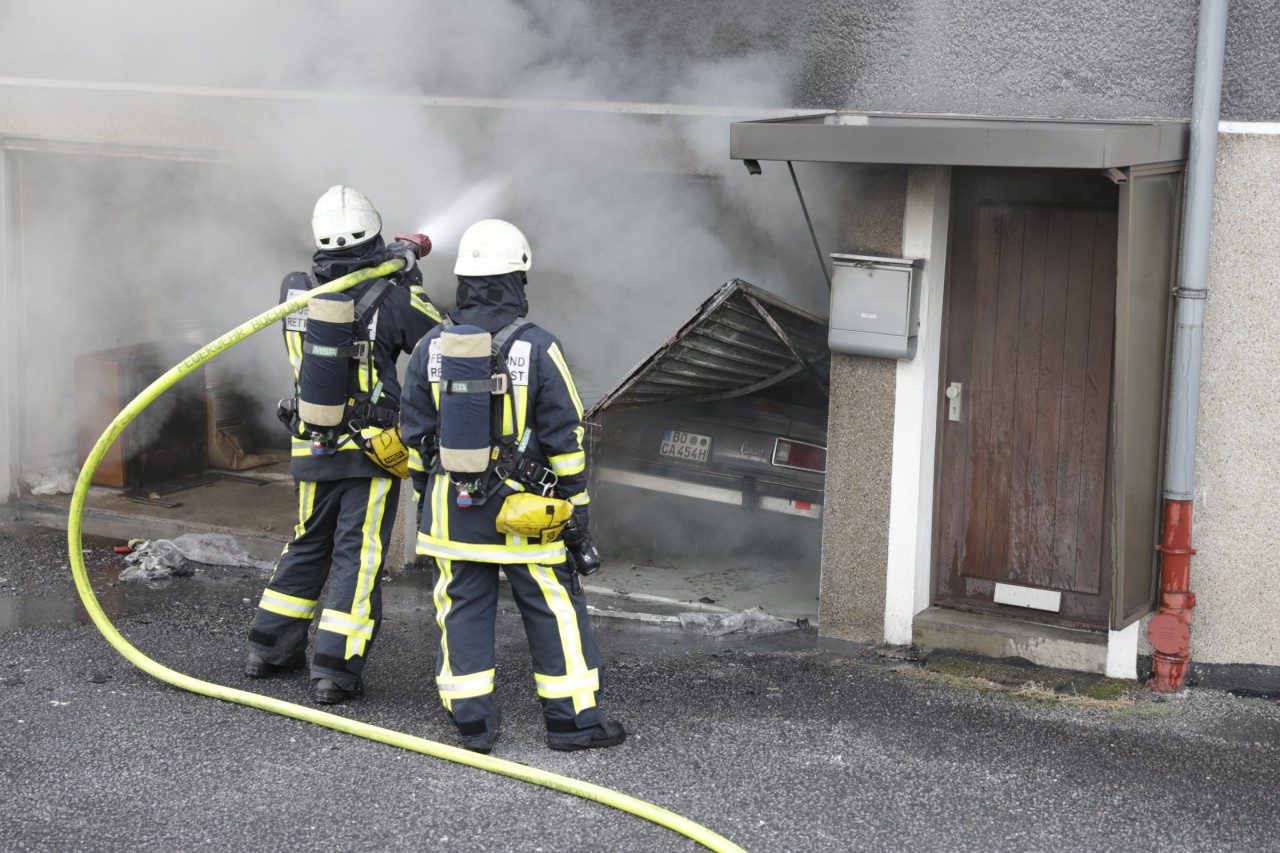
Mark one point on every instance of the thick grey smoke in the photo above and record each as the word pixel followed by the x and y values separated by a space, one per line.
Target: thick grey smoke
pixel 634 219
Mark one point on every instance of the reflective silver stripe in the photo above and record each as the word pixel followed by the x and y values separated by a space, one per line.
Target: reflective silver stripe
pixel 465 686
pixel 494 553
pixel 564 686
pixel 346 624
pixel 287 605
pixel 569 463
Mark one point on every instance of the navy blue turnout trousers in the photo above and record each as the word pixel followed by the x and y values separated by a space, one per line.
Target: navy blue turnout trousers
pixel 345 524
pixel 567 666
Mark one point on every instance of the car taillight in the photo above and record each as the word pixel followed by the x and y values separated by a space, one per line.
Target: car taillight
pixel 798 454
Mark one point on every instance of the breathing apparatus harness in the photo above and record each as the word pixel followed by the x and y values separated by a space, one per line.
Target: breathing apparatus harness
pixel 477 452
pixel 477 472
pixel 332 337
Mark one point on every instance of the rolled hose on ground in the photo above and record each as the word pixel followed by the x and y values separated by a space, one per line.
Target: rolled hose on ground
pixel 555 781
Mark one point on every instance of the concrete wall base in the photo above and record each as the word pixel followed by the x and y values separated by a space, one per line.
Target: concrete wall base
pixel 996 637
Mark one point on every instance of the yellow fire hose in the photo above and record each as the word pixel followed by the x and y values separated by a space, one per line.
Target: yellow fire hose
pixel 555 781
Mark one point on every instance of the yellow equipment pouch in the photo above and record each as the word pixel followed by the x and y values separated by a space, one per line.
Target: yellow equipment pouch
pixel 385 448
pixel 533 516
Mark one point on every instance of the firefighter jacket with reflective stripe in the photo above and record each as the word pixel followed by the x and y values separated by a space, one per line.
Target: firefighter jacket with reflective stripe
pixel 403 316
pixel 543 400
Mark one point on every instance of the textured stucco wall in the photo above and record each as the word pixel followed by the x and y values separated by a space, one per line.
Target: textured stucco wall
pixel 855 531
pixel 855 527
pixel 1237 475
pixel 1086 58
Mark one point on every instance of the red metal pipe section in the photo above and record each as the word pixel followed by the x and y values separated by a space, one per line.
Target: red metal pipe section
pixel 1170 629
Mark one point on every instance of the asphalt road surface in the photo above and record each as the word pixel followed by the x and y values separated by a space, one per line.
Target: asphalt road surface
pixel 786 743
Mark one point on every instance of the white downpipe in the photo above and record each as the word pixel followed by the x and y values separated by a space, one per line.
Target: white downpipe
pixel 9 303
pixel 1122 652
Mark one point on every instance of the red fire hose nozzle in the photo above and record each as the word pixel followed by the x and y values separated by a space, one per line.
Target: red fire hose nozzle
pixel 421 241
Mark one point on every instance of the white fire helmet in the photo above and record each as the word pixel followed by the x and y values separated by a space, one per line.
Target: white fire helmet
pixel 343 218
pixel 492 247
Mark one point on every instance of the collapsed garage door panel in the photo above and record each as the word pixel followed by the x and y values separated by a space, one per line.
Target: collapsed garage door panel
pixel 742 339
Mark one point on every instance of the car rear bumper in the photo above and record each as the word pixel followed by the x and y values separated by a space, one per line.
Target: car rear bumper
pixel 726 490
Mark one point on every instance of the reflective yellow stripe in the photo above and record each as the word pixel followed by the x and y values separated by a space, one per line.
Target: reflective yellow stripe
pixel 293 342
pixel 347 624
pixel 370 561
pixel 564 686
pixel 287 605
pixel 507 426
pixel 371 548
pixel 434 546
pixel 306 501
pixel 558 358
pixel 415 461
pixel 522 408
pixel 418 299
pixel 465 686
pixel 575 663
pixel 439 507
pixel 568 463
pixel 580 499
pixel 444 604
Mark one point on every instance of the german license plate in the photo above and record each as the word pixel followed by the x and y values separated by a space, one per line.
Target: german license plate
pixel 685 445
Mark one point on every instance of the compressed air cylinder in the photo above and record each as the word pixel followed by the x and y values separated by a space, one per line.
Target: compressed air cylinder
pixel 322 381
pixel 465 362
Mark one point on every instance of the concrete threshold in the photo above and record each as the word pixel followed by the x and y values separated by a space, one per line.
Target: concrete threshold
pixel 113 524
pixel 998 637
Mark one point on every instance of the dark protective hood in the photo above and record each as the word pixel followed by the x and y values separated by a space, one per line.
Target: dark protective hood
pixel 490 301
pixel 331 264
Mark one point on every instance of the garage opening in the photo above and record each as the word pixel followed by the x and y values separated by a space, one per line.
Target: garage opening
pixel 709 460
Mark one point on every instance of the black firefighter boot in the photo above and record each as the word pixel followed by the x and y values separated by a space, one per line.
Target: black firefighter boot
pixel 258 667
pixel 327 692
pixel 567 737
pixel 478 737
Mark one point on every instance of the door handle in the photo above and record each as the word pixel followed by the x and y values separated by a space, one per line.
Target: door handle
pixel 953 401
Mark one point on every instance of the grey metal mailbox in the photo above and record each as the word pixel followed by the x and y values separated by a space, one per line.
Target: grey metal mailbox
pixel 874 306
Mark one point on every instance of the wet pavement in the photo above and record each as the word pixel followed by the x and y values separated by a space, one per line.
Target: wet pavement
pixel 781 743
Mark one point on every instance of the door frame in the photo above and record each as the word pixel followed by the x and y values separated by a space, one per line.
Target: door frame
pixel 909 570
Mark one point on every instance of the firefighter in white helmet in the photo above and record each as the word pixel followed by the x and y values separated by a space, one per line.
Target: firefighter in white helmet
pixel 532 438
pixel 346 500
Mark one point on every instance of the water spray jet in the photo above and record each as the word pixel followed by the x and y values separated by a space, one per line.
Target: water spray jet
pixel 482 201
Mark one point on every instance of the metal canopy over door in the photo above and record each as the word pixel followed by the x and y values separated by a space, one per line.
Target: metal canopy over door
pixel 1024 486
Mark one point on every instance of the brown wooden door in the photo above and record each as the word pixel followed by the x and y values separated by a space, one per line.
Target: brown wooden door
pixel 1023 480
